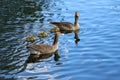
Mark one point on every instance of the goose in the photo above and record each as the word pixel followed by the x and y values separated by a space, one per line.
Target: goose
pixel 35 57
pixel 42 34
pixel 67 26
pixel 44 48
pixel 30 39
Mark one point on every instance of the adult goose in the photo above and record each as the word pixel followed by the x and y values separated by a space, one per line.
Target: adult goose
pixel 67 26
pixel 41 49
pixel 35 57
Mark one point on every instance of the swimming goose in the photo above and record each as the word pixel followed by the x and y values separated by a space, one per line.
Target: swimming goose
pixel 35 57
pixel 44 48
pixel 66 26
pixel 30 39
pixel 42 34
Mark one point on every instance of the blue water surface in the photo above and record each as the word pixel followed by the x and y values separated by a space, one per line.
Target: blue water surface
pixel 96 56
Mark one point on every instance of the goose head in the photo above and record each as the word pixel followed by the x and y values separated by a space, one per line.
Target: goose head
pixel 76 14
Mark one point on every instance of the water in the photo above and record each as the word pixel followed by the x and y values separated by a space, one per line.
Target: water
pixel 95 56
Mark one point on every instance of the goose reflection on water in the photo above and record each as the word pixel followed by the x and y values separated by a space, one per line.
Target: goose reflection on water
pixel 77 38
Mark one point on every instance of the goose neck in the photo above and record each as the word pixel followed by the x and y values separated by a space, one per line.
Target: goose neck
pixel 55 40
pixel 76 20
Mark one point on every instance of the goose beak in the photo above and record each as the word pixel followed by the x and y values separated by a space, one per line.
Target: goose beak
pixel 76 14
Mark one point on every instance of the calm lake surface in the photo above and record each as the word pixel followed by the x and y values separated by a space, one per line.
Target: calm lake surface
pixel 96 56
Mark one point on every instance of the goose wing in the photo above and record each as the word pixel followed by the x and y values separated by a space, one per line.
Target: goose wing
pixel 43 48
pixel 63 25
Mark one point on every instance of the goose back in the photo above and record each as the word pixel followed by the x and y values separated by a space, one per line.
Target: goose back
pixel 63 26
pixel 42 49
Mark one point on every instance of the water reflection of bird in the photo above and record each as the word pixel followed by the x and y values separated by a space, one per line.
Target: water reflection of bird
pixel 42 34
pixel 67 26
pixel 76 41
pixel 44 48
pixel 30 39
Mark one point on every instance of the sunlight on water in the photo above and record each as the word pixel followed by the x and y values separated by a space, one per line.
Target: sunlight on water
pixel 95 56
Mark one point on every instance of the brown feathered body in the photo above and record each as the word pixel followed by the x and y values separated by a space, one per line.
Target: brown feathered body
pixel 42 48
pixel 45 48
pixel 67 26
pixel 63 25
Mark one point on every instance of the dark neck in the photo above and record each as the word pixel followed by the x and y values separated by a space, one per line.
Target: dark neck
pixel 55 40
pixel 76 20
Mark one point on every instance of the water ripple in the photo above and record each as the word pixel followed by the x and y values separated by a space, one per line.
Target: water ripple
pixel 95 56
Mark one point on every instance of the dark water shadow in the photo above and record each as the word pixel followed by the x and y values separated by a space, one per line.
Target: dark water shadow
pixel 36 57
pixel 77 38
pixel 76 34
